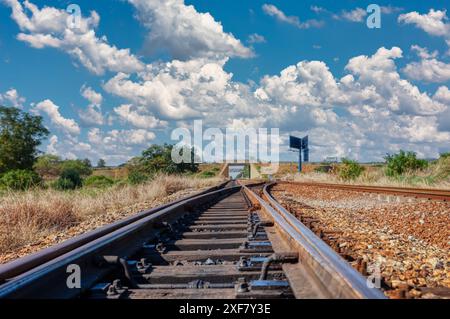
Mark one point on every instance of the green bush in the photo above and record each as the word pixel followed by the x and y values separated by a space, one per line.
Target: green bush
pixel 445 155
pixel 63 184
pixel 69 179
pixel 20 179
pixel 350 170
pixel 403 162
pixel 83 167
pixel 137 177
pixel 98 181
pixel 207 174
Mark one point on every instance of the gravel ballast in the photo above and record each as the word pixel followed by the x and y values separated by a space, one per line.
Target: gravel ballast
pixel 405 240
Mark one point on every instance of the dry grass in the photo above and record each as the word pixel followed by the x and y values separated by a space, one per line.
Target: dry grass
pixel 436 175
pixel 374 178
pixel 27 216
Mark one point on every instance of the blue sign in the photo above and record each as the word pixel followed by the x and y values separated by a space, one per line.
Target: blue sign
pixel 295 142
pixel 300 144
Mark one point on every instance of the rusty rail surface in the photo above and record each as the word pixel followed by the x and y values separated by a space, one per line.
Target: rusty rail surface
pixel 430 194
pixel 224 243
pixel 328 267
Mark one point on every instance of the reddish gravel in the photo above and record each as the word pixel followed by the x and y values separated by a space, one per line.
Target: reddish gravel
pixel 409 240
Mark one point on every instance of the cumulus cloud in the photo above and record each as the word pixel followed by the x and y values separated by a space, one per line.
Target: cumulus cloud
pixel 433 23
pixel 385 112
pixel 375 103
pixel 184 32
pixel 380 71
pixel 52 111
pixel 118 145
pixel 92 115
pixel 368 111
pixel 442 95
pixel 12 98
pixel 428 69
pixel 93 97
pixel 183 90
pixel 52 145
pixel 117 138
pixel 130 115
pixel 48 27
pixel 279 15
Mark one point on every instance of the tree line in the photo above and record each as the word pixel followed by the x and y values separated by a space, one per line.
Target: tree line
pixel 22 165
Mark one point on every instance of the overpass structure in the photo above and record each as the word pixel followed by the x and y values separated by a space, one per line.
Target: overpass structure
pixel 242 170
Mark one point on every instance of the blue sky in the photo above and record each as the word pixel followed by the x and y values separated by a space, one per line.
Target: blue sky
pixel 137 69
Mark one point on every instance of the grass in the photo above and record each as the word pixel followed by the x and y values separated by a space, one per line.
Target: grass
pixel 432 178
pixel 435 175
pixel 25 217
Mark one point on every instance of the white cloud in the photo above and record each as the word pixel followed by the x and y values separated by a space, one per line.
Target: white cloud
pixel 127 114
pixel 48 27
pixel 443 95
pixel 92 115
pixel 52 110
pixel 12 97
pixel 279 15
pixel 425 129
pixel 378 105
pixel 380 72
pixel 93 97
pixel 304 84
pixel 118 138
pixel 423 52
pixel 367 112
pixel 185 32
pixel 256 38
pixel 355 15
pixel 429 70
pixel 434 22
pixel 51 147
pixel 183 90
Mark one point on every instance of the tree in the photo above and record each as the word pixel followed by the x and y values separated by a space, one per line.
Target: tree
pixel 20 135
pixel 83 167
pixel 158 158
pixel 48 165
pixel 87 162
pixel 101 163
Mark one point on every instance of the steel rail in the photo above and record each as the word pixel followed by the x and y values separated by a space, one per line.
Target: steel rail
pixel 47 280
pixel 319 266
pixel 21 265
pixel 330 269
pixel 431 194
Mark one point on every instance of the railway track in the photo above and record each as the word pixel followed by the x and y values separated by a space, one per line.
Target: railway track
pixel 225 243
pixel 429 194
